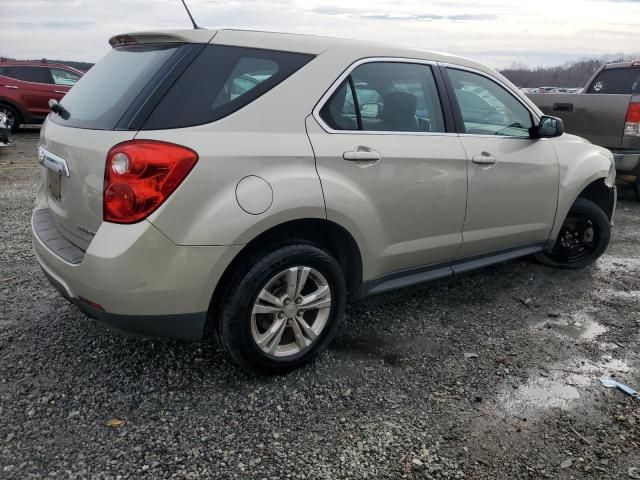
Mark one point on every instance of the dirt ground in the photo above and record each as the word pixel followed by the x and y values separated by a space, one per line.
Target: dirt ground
pixel 488 375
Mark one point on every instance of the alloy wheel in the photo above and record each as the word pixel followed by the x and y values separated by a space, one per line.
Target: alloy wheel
pixel 291 311
pixel 10 117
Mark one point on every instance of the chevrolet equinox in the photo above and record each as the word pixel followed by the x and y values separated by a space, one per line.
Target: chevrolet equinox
pixel 245 184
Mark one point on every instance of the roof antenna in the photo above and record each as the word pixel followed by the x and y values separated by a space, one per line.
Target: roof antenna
pixel 195 25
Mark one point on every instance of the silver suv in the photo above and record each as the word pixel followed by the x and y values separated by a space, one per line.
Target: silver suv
pixel 244 183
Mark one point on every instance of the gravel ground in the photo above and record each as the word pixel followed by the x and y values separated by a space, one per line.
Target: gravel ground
pixel 490 375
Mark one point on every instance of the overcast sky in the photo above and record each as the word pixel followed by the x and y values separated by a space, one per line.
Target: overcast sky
pixel 497 32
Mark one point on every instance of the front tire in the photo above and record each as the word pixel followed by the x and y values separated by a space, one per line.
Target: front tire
pixel 282 307
pixel 583 237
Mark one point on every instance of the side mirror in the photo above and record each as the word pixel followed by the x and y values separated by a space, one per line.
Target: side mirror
pixel 548 127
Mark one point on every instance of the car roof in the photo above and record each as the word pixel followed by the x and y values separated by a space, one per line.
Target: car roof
pixel 35 63
pixel 610 66
pixel 293 42
pixel 349 50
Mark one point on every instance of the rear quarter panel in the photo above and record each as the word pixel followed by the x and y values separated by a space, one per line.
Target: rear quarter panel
pixel 204 209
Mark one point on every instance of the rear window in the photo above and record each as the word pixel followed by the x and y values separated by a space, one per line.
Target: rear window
pixel 221 80
pixel 102 96
pixel 622 81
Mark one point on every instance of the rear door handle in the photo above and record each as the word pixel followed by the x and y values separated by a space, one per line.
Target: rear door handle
pixel 59 91
pixel 362 154
pixel 484 159
pixel 10 86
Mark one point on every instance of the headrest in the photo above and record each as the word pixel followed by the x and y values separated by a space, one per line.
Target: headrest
pixel 399 106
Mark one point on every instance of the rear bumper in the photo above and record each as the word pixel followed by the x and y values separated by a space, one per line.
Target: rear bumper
pixel 135 280
pixel 627 162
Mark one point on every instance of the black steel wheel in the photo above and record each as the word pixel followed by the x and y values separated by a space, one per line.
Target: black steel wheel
pixel 583 237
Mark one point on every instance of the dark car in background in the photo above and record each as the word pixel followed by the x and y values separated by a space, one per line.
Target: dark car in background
pixel 607 113
pixel 27 86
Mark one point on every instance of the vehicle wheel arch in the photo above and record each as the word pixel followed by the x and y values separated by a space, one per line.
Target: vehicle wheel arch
pixel 326 234
pixel 593 189
pixel 603 196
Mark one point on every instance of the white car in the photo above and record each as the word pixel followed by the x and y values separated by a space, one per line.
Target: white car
pixel 245 183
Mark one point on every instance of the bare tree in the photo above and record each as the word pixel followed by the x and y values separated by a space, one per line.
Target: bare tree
pixel 570 74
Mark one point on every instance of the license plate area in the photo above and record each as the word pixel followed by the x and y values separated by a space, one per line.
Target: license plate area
pixel 55 185
pixel 56 169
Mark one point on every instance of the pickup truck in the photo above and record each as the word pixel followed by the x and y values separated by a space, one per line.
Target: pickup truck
pixel 607 113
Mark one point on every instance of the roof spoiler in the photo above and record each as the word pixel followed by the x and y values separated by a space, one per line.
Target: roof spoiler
pixel 177 36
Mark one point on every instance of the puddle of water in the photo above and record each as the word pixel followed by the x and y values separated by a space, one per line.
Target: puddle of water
pixel 579 325
pixel 560 388
pixel 610 263
pixel 545 393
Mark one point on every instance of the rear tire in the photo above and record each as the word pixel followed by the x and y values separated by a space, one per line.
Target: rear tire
pixel 270 322
pixel 583 237
pixel 636 188
pixel 14 119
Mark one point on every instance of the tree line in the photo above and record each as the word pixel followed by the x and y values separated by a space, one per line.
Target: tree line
pixel 569 74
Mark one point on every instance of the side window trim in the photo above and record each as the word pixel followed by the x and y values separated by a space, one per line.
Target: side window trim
pixel 457 113
pixel 443 97
pixel 356 103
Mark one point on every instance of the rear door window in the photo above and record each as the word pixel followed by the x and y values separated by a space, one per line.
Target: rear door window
pixel 340 111
pixel 29 74
pixel 390 97
pixel 623 81
pixel 221 80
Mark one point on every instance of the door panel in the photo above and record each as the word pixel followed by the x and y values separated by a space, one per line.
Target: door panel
pixel 407 209
pixel 513 179
pixel 512 202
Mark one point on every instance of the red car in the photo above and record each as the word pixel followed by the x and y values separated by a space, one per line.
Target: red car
pixel 26 88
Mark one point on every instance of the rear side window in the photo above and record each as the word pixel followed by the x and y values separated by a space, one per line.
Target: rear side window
pixel 29 74
pixel 340 111
pixel 64 77
pixel 389 97
pixel 221 80
pixel 623 81
pixel 103 95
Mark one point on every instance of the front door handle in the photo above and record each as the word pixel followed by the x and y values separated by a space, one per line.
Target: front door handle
pixel 10 86
pixel 59 91
pixel 362 154
pixel 484 159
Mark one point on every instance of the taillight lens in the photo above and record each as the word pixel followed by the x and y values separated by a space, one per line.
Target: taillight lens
pixel 632 123
pixel 140 175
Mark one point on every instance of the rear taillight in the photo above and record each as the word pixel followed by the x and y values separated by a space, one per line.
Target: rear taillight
pixel 632 122
pixel 140 175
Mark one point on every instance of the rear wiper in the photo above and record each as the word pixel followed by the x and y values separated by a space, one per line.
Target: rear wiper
pixel 58 109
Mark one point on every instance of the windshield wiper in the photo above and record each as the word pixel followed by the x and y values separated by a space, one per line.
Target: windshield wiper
pixel 59 109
